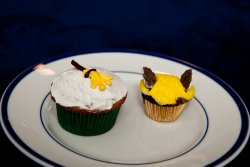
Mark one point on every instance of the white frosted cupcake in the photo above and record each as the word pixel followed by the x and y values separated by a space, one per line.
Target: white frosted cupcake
pixel 88 100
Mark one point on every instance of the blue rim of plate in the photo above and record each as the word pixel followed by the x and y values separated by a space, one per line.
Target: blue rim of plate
pixel 228 156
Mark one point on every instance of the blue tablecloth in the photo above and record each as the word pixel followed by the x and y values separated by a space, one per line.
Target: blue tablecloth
pixel 214 35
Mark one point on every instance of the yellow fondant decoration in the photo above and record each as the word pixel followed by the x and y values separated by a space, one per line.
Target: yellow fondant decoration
pixel 167 89
pixel 99 79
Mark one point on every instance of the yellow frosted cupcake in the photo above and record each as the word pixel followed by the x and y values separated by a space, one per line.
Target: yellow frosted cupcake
pixel 165 96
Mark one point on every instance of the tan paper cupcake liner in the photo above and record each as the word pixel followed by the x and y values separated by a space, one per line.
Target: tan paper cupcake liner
pixel 163 113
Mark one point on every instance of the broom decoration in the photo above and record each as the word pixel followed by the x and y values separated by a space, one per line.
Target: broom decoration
pixel 97 79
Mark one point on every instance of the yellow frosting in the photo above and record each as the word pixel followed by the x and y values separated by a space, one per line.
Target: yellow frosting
pixel 99 79
pixel 167 89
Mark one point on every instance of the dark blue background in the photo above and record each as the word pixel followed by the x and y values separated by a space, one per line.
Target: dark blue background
pixel 211 34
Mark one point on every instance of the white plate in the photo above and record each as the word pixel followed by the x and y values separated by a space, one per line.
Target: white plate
pixel 212 130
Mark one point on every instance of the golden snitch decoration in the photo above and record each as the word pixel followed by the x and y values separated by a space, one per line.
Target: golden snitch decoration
pixel 97 79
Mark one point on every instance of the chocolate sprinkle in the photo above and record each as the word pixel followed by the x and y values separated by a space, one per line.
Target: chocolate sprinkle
pixel 181 100
pixel 77 66
pixel 86 75
pixel 186 78
pixel 149 76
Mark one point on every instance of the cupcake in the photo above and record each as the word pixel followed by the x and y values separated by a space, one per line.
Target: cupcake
pixel 165 96
pixel 87 100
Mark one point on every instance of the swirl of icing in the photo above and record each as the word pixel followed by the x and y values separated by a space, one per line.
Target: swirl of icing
pixel 71 89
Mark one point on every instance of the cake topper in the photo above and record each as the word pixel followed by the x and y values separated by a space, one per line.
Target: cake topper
pixel 97 78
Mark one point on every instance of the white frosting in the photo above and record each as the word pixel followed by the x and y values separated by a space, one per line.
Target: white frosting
pixel 72 89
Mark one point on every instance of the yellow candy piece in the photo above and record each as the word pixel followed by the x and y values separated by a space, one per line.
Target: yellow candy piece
pixel 99 79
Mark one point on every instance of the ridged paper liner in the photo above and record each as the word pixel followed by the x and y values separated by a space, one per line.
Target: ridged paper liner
pixel 86 124
pixel 163 113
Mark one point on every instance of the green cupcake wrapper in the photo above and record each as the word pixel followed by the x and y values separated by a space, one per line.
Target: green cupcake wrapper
pixel 85 124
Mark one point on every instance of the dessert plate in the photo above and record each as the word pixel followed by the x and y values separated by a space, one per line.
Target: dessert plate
pixel 212 130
